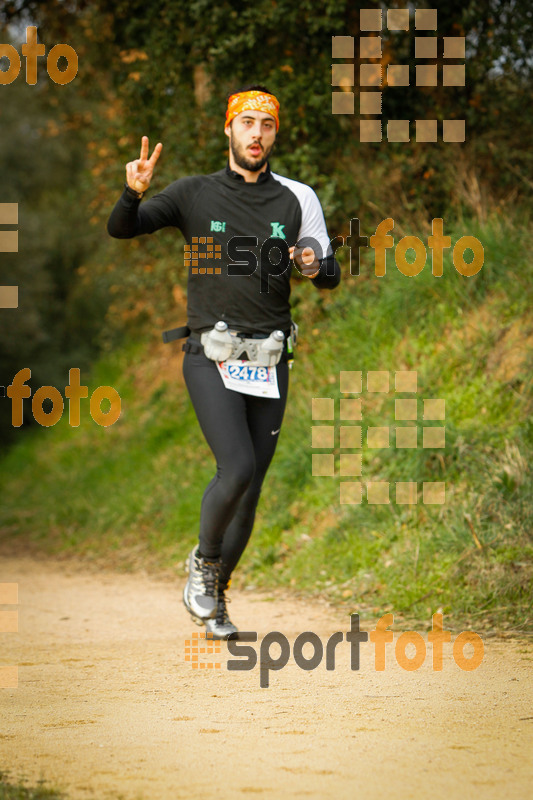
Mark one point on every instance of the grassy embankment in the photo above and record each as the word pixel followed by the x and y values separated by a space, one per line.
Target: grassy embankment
pixel 130 493
pixel 21 790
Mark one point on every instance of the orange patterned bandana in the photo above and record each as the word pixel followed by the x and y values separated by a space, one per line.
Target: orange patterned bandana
pixel 252 101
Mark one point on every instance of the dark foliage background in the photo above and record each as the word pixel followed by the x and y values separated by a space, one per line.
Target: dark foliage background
pixel 164 68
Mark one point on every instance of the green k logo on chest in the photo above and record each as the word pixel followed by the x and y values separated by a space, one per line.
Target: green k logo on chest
pixel 277 230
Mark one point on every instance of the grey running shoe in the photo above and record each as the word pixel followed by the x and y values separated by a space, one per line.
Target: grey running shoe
pixel 220 626
pixel 200 593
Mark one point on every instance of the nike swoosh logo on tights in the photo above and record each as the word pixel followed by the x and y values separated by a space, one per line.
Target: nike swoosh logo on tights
pixel 274 432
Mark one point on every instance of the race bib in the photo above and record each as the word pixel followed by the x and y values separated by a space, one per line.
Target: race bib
pixel 248 378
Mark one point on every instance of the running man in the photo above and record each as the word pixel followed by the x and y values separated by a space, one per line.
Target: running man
pixel 239 322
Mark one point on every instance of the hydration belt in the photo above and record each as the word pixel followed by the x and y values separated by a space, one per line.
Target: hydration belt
pixel 244 342
pixel 176 333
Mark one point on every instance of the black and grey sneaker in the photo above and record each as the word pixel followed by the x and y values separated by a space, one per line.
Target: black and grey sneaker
pixel 200 592
pixel 220 626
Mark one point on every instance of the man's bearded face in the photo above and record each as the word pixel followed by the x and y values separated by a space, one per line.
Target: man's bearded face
pixel 252 135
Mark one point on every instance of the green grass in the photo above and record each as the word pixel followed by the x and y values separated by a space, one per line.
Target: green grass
pixel 130 494
pixel 20 791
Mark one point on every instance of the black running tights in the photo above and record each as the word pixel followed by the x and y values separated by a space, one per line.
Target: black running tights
pixel 242 431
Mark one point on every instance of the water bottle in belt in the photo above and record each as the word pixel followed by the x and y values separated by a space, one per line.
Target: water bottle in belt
pixel 269 350
pixel 218 342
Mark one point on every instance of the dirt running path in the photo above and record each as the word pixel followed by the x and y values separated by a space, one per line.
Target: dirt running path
pixel 108 707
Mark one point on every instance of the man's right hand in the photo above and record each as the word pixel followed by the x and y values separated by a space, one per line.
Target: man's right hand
pixel 139 172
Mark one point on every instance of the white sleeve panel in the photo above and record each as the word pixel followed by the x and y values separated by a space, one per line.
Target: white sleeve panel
pixel 313 222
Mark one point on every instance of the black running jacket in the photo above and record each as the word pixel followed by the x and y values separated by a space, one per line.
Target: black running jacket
pixel 245 282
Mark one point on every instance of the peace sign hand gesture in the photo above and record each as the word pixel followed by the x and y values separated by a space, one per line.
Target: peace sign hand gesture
pixel 139 172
